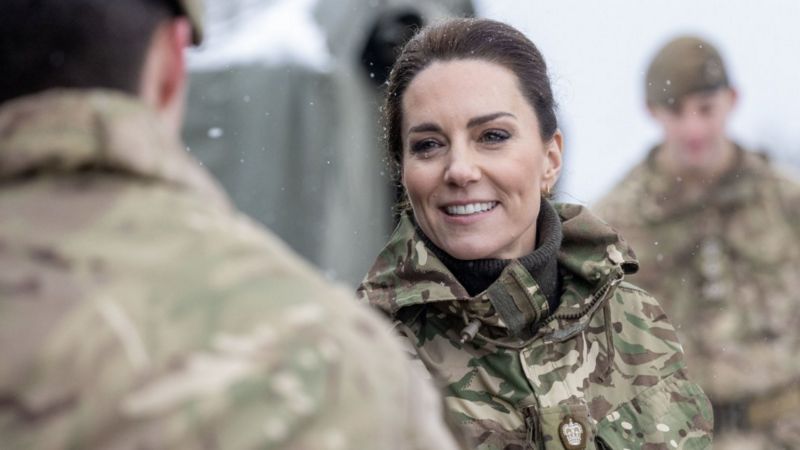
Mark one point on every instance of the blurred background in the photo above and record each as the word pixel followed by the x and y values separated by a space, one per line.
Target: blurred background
pixel 285 96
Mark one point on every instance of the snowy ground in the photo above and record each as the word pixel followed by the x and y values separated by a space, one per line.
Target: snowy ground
pixel 598 51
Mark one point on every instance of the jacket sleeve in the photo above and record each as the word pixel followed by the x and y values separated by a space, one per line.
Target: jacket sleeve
pixel 667 409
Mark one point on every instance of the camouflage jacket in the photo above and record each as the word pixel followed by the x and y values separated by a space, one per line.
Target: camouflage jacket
pixel 725 266
pixel 605 368
pixel 139 311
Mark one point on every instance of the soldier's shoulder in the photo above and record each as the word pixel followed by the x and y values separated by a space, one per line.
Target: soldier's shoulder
pixel 788 181
pixel 775 182
pixel 762 166
pixel 620 203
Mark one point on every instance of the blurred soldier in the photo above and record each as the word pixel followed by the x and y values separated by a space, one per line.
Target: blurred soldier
pixel 306 134
pixel 138 310
pixel 717 231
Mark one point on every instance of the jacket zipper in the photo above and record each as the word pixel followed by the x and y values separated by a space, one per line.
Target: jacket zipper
pixel 597 296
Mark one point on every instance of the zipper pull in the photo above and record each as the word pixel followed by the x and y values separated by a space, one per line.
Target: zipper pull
pixel 469 332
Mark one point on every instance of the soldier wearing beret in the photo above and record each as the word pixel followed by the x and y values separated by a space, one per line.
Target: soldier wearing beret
pixel 717 231
pixel 138 309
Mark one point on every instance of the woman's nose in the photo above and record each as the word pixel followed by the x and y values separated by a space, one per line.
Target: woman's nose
pixel 462 168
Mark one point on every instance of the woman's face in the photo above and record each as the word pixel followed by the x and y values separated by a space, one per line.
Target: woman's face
pixel 474 163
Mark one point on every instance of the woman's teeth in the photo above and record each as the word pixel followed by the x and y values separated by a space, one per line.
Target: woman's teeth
pixel 471 208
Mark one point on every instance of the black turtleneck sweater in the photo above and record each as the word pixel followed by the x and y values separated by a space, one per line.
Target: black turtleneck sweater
pixel 478 274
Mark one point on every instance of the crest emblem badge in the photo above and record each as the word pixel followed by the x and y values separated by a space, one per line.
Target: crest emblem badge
pixel 572 433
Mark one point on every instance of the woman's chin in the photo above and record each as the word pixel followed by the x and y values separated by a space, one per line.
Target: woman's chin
pixel 468 251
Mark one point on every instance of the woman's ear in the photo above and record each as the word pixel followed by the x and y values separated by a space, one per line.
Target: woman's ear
pixel 553 161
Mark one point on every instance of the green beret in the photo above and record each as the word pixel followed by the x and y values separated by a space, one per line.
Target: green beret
pixel 194 11
pixel 684 66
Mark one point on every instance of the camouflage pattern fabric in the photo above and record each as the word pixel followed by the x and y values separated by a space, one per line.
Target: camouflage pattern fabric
pixel 725 266
pixel 139 311
pixel 607 359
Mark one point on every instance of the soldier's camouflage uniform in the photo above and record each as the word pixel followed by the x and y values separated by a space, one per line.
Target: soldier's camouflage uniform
pixel 139 311
pixel 607 358
pixel 726 266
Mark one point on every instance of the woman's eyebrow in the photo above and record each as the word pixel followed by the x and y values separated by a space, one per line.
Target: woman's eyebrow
pixel 424 128
pixel 480 120
pixel 474 122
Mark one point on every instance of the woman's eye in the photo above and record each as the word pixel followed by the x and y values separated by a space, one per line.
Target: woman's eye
pixel 424 146
pixel 494 136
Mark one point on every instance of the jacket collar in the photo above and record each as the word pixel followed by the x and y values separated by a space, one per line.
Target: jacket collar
pixel 591 256
pixel 70 130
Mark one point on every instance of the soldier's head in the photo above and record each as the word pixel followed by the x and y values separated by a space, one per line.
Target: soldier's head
pixel 133 46
pixel 689 94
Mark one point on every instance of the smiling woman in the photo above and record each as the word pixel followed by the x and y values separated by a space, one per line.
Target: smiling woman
pixel 516 305
pixel 475 164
